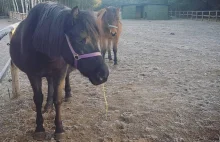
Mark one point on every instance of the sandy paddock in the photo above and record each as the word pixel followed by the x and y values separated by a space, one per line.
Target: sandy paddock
pixel 165 88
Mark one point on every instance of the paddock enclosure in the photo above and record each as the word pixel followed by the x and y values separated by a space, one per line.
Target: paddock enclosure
pixel 165 88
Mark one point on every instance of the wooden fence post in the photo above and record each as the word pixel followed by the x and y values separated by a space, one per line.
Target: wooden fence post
pixel 202 15
pixel 15 79
pixel 196 15
pixel 209 15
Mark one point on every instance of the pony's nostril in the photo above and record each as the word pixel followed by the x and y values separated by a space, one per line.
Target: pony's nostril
pixel 101 76
pixel 103 79
pixel 113 34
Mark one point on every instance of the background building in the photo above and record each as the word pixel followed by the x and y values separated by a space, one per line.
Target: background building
pixel 151 10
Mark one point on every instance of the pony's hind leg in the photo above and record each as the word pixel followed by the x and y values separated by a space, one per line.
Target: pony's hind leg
pixel 36 84
pixel 68 94
pixel 109 50
pixel 103 47
pixel 115 49
pixel 49 105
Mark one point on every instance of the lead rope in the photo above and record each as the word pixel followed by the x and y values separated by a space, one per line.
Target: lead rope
pixel 106 103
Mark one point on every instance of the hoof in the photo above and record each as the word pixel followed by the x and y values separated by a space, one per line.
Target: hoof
pixel 48 108
pixel 110 59
pixel 115 63
pixel 39 136
pixel 68 99
pixel 59 136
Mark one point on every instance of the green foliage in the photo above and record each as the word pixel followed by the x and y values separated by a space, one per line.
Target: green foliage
pixel 6 5
pixel 83 4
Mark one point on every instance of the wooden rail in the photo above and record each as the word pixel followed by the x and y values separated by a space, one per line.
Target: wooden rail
pixel 14 70
pixel 209 15
pixel 5 31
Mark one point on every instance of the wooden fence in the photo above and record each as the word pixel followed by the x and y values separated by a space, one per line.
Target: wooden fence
pixel 9 30
pixel 14 70
pixel 209 15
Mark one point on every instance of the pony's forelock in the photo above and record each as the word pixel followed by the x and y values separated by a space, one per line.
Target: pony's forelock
pixel 88 19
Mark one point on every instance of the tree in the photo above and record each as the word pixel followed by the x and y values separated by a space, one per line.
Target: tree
pixel 16 4
pixel 22 6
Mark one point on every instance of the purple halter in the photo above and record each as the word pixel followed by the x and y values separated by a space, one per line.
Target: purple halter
pixel 77 56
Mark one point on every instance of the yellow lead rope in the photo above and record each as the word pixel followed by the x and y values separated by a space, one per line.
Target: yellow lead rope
pixel 106 103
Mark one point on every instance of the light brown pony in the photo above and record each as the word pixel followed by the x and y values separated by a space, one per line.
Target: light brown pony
pixel 110 27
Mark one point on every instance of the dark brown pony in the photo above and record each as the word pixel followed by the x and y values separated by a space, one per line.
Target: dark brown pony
pixel 110 27
pixel 48 43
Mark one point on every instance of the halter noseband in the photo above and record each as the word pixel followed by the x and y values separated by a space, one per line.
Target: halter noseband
pixel 112 26
pixel 77 56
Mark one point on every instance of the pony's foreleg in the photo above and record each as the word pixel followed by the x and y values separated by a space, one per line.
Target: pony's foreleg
pixel 36 84
pixel 115 49
pixel 67 84
pixel 103 47
pixel 109 49
pixel 49 105
pixel 67 88
pixel 59 82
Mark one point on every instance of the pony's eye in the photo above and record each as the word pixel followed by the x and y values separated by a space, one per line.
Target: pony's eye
pixel 83 41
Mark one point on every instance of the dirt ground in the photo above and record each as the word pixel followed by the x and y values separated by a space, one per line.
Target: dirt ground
pixel 165 88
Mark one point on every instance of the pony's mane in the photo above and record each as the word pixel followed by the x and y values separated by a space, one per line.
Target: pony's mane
pixel 45 25
pixel 49 32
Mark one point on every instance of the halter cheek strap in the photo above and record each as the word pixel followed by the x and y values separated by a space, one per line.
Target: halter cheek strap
pixel 77 56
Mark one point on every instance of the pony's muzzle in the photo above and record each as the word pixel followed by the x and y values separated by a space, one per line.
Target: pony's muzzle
pixel 101 76
pixel 113 29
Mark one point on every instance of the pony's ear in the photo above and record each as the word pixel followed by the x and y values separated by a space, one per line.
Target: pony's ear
pixel 75 12
pixel 106 7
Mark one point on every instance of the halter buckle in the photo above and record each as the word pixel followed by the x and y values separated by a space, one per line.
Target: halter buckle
pixel 76 56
